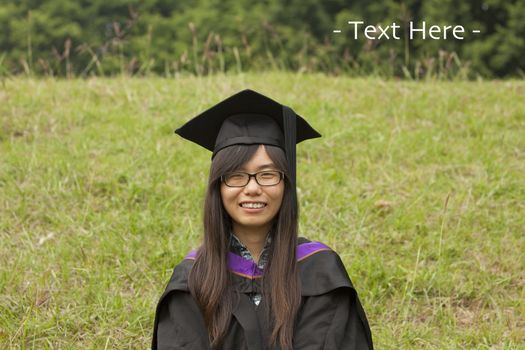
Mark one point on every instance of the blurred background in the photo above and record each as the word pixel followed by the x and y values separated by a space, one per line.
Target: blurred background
pixel 163 37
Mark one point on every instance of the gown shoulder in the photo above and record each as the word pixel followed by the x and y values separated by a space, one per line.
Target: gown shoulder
pixel 331 316
pixel 320 268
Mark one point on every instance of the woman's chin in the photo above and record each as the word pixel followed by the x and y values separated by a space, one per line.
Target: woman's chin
pixel 252 223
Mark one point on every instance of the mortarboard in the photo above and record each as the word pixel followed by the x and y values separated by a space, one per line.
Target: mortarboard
pixel 249 117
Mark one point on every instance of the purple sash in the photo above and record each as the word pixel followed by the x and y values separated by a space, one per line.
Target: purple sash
pixel 248 268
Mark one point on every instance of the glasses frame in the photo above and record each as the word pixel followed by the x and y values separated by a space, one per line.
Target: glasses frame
pixel 254 175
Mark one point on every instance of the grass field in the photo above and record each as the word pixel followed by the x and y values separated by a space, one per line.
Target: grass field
pixel 420 186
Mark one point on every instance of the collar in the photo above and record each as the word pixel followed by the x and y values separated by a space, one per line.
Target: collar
pixel 240 249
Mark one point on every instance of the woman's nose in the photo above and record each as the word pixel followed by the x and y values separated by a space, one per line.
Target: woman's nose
pixel 252 186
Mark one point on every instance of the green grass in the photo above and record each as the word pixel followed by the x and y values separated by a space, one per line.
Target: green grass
pixel 419 186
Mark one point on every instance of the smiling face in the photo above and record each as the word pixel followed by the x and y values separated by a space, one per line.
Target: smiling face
pixel 253 207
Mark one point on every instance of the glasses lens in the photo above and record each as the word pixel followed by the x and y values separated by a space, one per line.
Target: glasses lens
pixel 268 178
pixel 236 179
pixel 263 178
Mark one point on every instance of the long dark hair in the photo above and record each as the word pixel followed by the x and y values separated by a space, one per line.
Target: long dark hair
pixel 210 281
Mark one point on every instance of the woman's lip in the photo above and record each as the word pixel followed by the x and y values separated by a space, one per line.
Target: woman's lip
pixel 253 210
pixel 264 205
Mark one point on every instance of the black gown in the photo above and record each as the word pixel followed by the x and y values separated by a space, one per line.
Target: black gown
pixel 330 317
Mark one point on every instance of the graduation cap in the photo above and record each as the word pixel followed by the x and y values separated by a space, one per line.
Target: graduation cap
pixel 246 118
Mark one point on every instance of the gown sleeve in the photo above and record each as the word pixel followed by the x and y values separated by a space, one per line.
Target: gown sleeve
pixel 180 324
pixel 331 321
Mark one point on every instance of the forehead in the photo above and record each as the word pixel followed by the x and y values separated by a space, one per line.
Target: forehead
pixel 258 161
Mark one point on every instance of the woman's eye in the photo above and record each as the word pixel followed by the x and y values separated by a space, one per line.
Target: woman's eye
pixel 235 177
pixel 268 175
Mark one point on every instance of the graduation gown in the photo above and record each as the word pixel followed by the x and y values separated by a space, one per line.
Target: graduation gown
pixel 330 316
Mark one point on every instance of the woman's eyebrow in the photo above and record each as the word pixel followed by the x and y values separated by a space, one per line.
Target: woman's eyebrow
pixel 269 165
pixel 263 166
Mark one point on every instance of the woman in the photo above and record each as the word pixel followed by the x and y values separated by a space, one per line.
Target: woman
pixel 253 283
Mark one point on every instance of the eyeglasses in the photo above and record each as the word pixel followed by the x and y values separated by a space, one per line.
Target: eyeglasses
pixel 263 178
